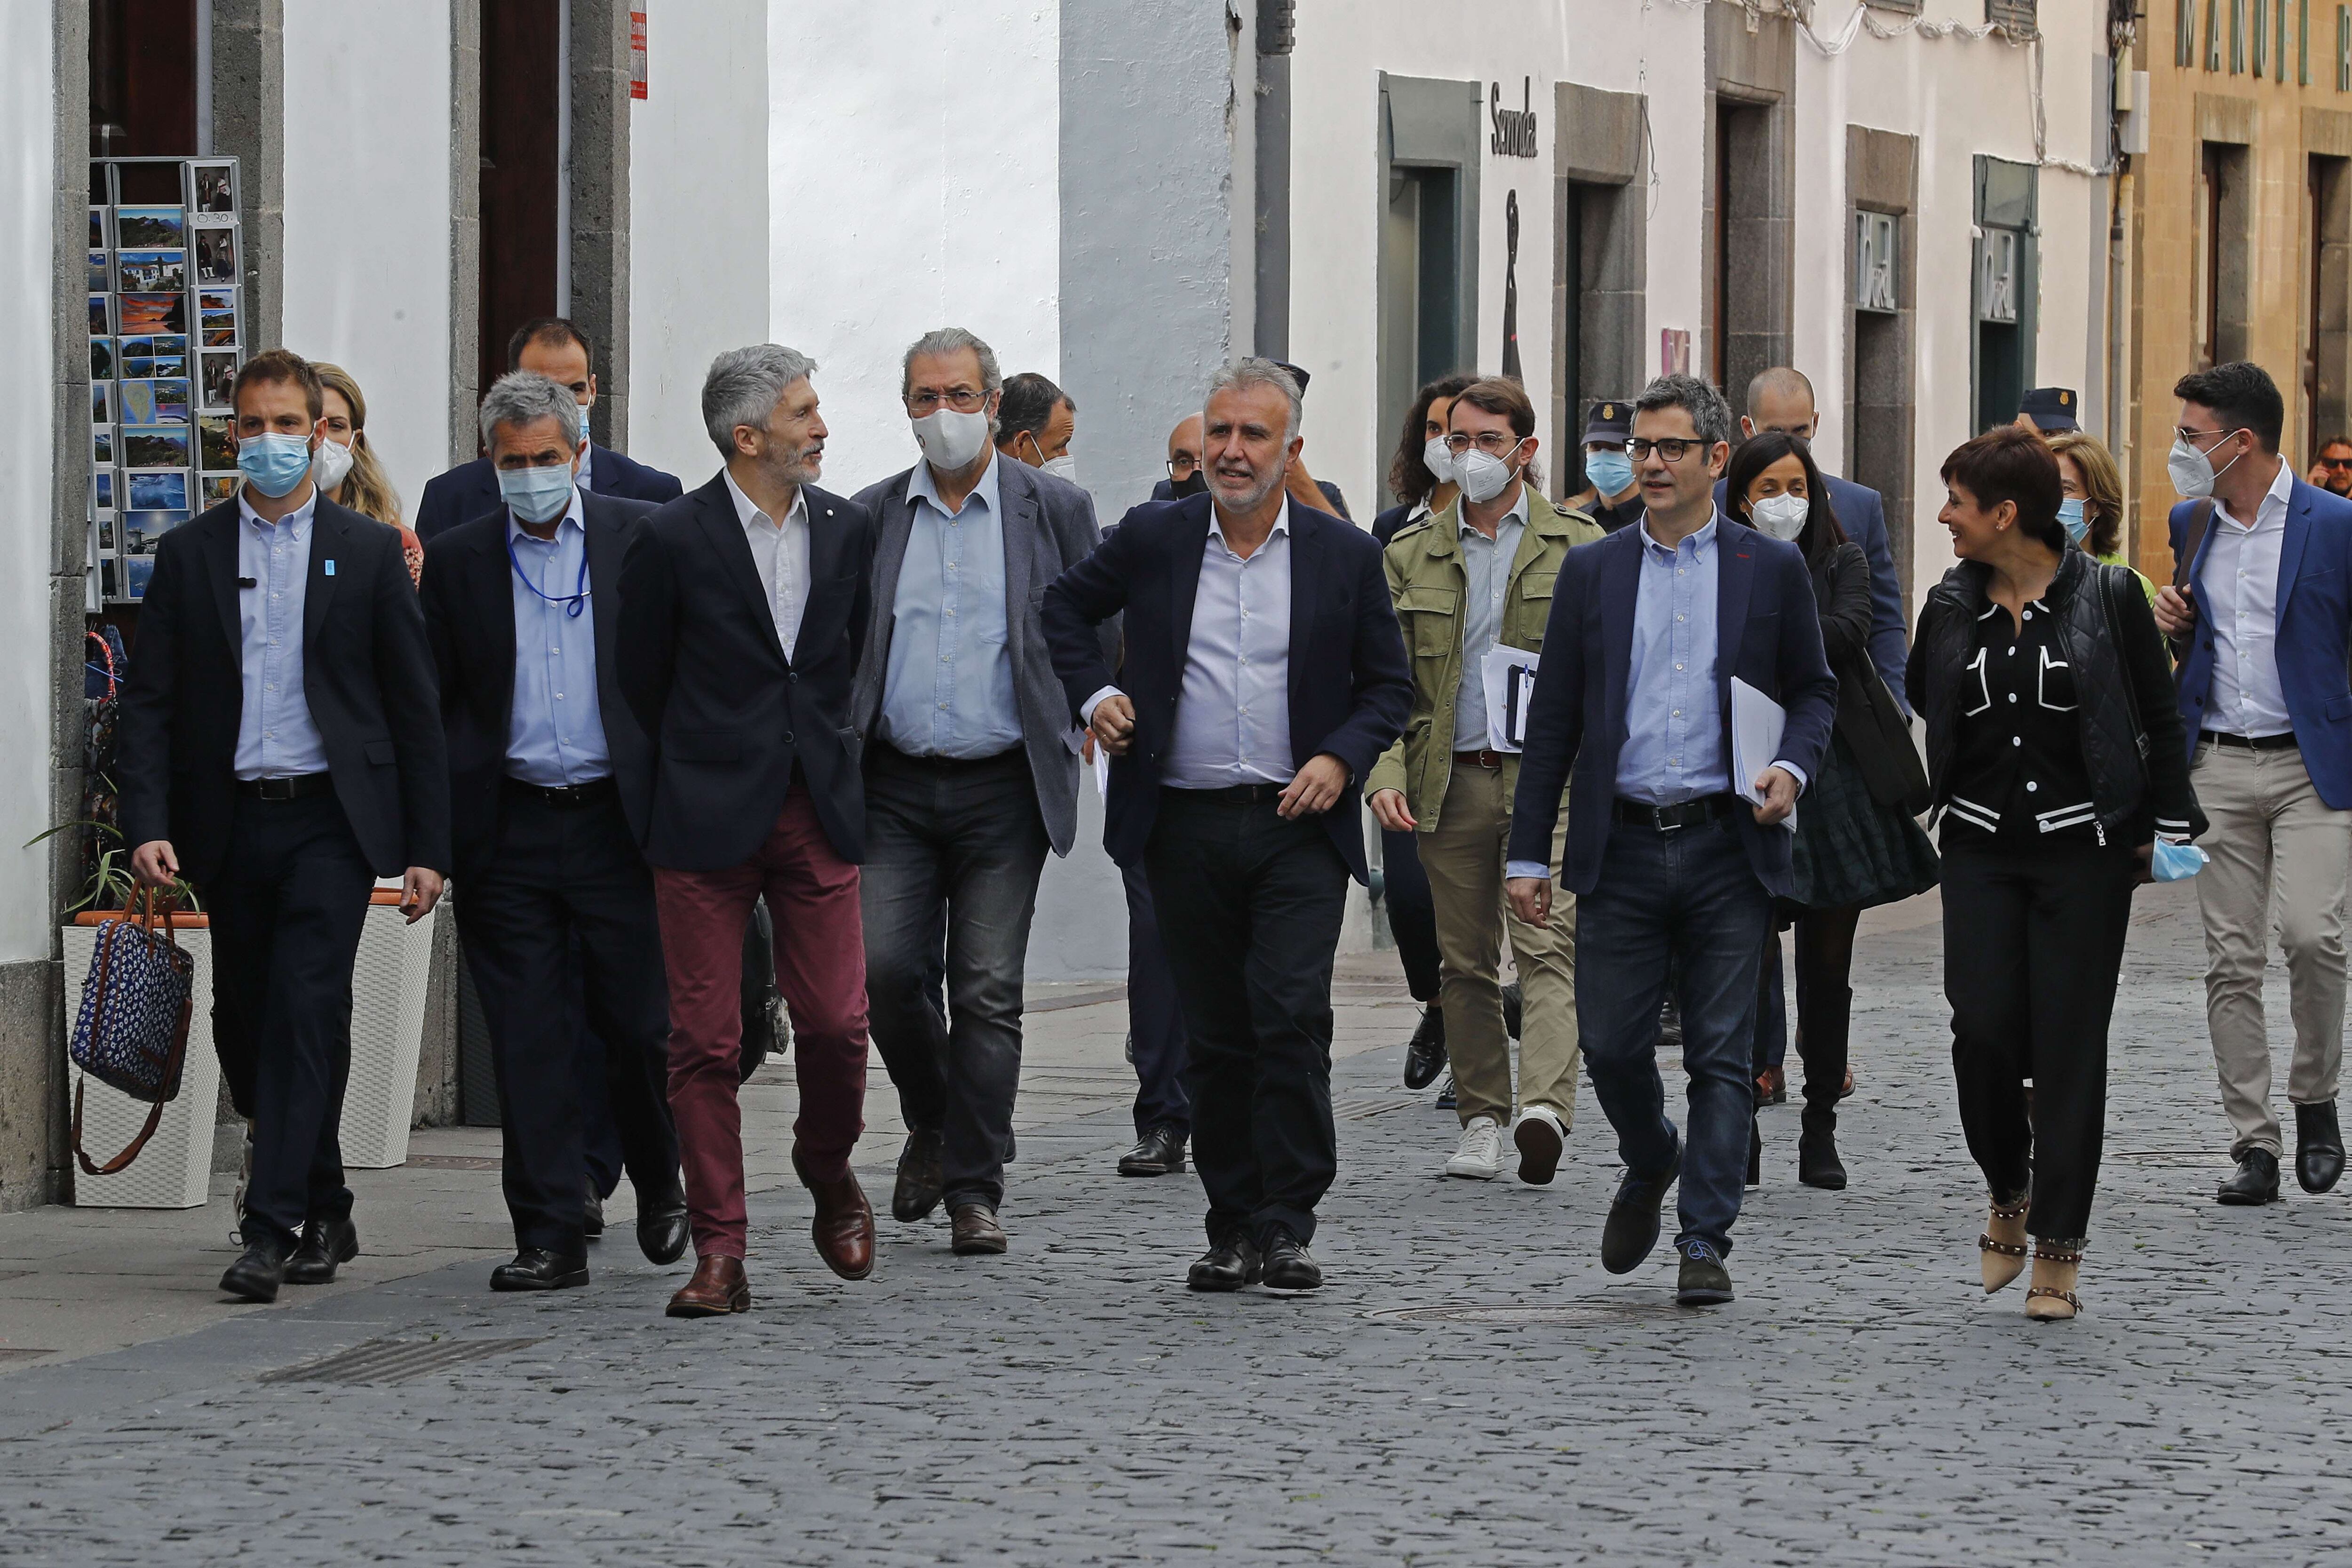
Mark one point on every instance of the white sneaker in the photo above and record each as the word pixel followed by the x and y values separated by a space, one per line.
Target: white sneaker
pixel 1540 1138
pixel 1480 1157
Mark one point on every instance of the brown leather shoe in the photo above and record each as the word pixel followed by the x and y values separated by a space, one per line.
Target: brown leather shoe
pixel 976 1230
pixel 843 1228
pixel 716 1288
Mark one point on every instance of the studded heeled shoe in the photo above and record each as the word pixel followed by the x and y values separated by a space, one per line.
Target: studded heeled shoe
pixel 2001 1249
pixel 2051 1298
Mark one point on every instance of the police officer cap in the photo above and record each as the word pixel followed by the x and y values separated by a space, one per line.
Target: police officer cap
pixel 1610 422
pixel 2051 408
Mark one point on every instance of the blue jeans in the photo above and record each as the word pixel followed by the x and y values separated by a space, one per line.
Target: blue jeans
pixel 1684 902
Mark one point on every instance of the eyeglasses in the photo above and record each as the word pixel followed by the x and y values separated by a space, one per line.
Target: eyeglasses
pixel 1494 443
pixel 964 400
pixel 1670 449
pixel 2193 436
pixel 2335 462
pixel 1182 465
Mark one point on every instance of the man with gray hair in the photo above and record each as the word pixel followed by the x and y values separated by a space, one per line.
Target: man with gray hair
pixel 970 772
pixel 548 790
pixel 1264 675
pixel 744 607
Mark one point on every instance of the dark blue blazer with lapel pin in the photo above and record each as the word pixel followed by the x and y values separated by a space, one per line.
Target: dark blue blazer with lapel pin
pixel 2314 620
pixel 1767 633
pixel 1350 687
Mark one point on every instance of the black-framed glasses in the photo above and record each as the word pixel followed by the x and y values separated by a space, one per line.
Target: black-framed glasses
pixel 2335 462
pixel 1672 448
pixel 1182 465
pixel 964 400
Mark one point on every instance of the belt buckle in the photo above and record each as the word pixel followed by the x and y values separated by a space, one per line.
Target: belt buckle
pixel 276 789
pixel 1658 820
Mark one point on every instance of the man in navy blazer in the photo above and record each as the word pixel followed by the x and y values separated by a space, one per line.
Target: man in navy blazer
pixel 1264 673
pixel 558 350
pixel 1674 873
pixel 2261 619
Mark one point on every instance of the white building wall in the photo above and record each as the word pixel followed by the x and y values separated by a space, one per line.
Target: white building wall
pixel 367 216
pixel 27 425
pixel 699 230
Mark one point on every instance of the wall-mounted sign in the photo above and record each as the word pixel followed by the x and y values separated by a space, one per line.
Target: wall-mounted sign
pixel 1514 129
pixel 1996 281
pixel 1674 351
pixel 1875 236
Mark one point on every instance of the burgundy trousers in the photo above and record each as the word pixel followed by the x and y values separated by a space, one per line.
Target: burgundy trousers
pixel 812 896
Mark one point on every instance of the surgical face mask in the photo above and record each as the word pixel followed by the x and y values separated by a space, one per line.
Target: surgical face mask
pixel 1064 467
pixel 330 465
pixel 2193 471
pixel 1482 476
pixel 1437 460
pixel 2074 518
pixel 2173 862
pixel 1610 470
pixel 1781 516
pixel 273 463
pixel 537 495
pixel 951 440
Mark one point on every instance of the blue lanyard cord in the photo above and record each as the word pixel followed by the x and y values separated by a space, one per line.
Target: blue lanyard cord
pixel 573 602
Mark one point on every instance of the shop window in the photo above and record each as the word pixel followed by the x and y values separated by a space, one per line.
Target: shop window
pixel 142 79
pixel 1433 137
pixel 524 111
pixel 2005 288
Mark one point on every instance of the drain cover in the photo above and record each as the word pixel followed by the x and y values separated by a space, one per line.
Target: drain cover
pixel 395 1360
pixel 1572 1314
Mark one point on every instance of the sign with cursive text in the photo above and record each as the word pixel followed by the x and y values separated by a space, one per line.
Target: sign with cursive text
pixel 1514 129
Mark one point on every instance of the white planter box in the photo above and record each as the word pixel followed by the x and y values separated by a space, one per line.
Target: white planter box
pixel 174 1170
pixel 396 962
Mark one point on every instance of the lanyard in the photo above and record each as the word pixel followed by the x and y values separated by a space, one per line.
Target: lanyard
pixel 573 602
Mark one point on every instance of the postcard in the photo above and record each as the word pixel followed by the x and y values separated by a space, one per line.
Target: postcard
pixel 219 488
pixel 101 359
pixel 219 377
pixel 217 299
pixel 164 343
pixel 166 491
pixel 217 188
pixel 146 226
pixel 141 530
pixel 138 569
pixel 155 270
pixel 98 325
pixel 219 328
pixel 101 489
pixel 99 282
pixel 101 402
pixel 101 445
pixel 156 446
pixel 154 312
pixel 98 240
pixel 216 255
pixel 154 402
pixel 211 436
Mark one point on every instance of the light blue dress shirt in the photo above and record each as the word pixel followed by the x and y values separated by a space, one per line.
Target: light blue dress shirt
pixel 1674 717
pixel 276 737
pixel 1233 715
pixel 1485 578
pixel 948 689
pixel 555 732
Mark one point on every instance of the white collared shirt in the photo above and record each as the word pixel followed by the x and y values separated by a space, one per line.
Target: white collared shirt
pixel 781 553
pixel 2238 592
pixel 1485 579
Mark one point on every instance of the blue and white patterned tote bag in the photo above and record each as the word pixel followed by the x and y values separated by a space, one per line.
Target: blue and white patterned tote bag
pixel 132 1032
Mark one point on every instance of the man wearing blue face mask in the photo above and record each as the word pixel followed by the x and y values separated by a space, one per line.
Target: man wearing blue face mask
pixel 550 781
pixel 1612 496
pixel 281 749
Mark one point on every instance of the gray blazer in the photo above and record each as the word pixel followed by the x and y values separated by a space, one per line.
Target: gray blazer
pixel 1049 526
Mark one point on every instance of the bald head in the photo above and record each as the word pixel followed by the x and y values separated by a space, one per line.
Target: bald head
pixel 1184 448
pixel 1780 399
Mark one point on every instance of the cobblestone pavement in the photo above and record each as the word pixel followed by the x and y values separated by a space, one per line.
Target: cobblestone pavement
pixel 1861 1402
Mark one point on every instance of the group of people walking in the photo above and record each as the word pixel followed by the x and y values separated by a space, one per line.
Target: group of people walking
pixel 656 736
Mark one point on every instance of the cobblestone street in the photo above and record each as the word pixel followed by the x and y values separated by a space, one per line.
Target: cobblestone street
pixel 1470 1387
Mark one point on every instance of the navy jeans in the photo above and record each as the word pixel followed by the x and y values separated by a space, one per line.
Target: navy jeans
pixel 1684 902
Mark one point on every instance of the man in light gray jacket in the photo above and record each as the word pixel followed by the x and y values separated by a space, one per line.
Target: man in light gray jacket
pixel 972 773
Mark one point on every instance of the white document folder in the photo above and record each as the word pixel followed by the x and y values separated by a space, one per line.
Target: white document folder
pixel 1508 677
pixel 1756 723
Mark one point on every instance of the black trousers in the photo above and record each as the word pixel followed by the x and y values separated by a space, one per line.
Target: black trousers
pixel 562 875
pixel 1155 1017
pixel 1412 913
pixel 2033 942
pixel 1249 907
pixel 286 915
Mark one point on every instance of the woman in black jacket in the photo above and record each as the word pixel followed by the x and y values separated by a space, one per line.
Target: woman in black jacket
pixel 1858 843
pixel 2054 754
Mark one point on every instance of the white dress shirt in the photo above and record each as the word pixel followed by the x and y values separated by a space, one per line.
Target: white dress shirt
pixel 781 553
pixel 275 735
pixel 2238 593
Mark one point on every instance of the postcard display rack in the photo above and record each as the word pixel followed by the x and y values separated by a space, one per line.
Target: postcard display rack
pixel 166 336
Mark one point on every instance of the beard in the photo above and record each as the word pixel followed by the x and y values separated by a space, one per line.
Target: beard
pixel 1261 487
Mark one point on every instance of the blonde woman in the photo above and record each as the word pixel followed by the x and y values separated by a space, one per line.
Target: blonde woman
pixel 345 468
pixel 2092 509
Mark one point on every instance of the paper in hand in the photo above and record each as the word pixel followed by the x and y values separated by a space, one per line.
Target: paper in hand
pixel 1757 722
pixel 1509 678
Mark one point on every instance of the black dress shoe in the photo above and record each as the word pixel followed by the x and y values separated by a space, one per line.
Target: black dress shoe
pixel 256 1276
pixel 1228 1265
pixel 1702 1280
pixel 662 1228
pixel 325 1243
pixel 592 1222
pixel 1818 1164
pixel 1513 1009
pixel 1158 1153
pixel 1632 1229
pixel 921 1181
pixel 1287 1265
pixel 2256 1180
pixel 1425 1053
pixel 2318 1147
pixel 536 1268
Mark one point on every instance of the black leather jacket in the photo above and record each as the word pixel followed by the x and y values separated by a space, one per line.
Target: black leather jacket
pixel 2130 720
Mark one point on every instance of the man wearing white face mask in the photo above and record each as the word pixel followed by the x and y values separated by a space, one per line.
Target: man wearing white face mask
pixel 2261 620
pixel 972 773
pixel 1478 573
pixel 1036 422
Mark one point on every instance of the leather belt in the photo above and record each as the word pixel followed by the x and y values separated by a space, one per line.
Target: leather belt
pixel 563 797
pixel 289 786
pixel 2250 743
pixel 1248 792
pixel 1489 760
pixel 1683 814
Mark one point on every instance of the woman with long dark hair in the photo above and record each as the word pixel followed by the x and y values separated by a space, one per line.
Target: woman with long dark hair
pixel 1858 843
pixel 2055 757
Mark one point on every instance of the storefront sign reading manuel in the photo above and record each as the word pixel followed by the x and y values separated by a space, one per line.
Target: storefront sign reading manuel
pixel 1514 129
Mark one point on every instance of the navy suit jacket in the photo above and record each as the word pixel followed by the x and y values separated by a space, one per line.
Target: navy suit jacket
pixel 1350 686
pixel 471 490
pixel 2315 623
pixel 1767 633
pixel 1863 514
